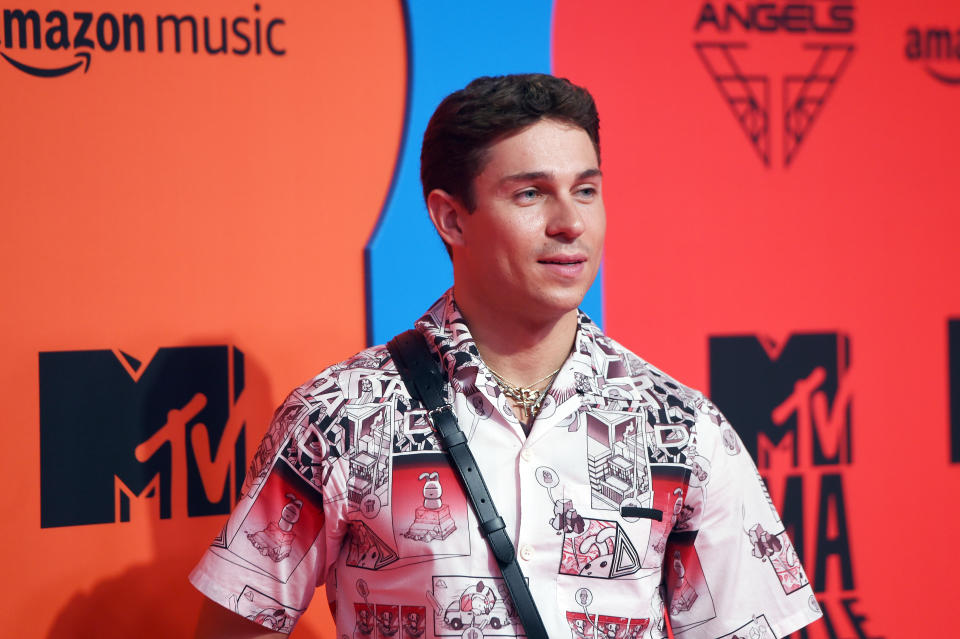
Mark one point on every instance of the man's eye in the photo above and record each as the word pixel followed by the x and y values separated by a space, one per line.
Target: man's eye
pixel 528 195
pixel 588 191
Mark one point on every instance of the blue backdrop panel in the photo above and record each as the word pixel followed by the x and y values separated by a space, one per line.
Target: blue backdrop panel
pixel 406 265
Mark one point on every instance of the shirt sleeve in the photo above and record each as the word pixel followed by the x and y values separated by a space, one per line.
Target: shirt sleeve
pixel 284 534
pixel 730 568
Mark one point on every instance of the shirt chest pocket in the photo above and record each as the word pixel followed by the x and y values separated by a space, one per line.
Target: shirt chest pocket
pixel 604 540
pixel 609 575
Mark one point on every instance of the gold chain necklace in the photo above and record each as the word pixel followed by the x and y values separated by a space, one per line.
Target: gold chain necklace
pixel 527 397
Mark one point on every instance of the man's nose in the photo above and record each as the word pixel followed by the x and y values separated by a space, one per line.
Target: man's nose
pixel 566 218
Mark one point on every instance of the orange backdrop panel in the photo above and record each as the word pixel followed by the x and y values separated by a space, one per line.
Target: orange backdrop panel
pixel 172 199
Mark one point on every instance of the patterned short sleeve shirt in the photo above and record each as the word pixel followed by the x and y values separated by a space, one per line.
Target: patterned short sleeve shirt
pixel 632 504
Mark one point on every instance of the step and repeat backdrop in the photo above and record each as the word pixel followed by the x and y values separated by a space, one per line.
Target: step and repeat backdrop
pixel 204 204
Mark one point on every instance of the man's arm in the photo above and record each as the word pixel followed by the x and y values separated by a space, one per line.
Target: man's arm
pixel 217 622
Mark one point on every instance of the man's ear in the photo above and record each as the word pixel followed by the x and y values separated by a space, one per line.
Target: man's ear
pixel 445 213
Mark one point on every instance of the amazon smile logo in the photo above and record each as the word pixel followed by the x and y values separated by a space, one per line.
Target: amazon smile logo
pixel 935 48
pixel 84 32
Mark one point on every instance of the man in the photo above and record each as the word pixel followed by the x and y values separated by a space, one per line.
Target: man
pixel 351 488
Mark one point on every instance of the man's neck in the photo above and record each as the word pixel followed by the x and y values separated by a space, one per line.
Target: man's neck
pixel 520 349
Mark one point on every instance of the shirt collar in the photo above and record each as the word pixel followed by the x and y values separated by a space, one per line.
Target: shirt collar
pixel 449 337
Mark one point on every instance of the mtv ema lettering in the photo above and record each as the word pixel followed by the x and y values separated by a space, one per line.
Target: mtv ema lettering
pixel 86 32
pixel 791 404
pixel 162 438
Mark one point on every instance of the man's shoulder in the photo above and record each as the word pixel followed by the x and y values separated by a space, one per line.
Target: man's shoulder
pixel 674 401
pixel 648 380
pixel 363 371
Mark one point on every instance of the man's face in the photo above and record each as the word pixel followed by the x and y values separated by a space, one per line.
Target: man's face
pixel 532 245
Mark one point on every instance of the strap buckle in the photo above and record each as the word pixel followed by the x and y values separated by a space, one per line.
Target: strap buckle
pixel 433 412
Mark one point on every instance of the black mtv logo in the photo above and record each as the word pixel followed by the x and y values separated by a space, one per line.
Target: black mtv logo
pixel 120 436
pixel 953 337
pixel 789 402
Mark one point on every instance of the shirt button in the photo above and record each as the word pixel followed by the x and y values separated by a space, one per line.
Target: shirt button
pixel 526 552
pixel 526 454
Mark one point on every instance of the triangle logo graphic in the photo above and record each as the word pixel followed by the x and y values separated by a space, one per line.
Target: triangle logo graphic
pixel 805 95
pixel 626 561
pixel 221 539
pixel 366 549
pixel 748 96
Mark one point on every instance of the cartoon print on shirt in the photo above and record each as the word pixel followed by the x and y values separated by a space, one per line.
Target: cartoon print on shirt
pixel 315 445
pixel 700 471
pixel 413 621
pixel 685 595
pixel 413 432
pixel 480 409
pixel 689 601
pixel 281 526
pixel 602 550
pixel 756 628
pixel 284 419
pixel 591 547
pixel 329 431
pixel 611 367
pixel 365 549
pixel 361 385
pixel 616 458
pixel 668 444
pixel 433 520
pixel 661 542
pixel 565 517
pixel 783 557
pixel 369 426
pixel 429 508
pixel 365 613
pixel 583 625
pixel 265 610
pixel 664 401
pixel 476 603
pixel 669 482
pixel 728 437
pixel 386 621
pixel 731 443
pixel 275 540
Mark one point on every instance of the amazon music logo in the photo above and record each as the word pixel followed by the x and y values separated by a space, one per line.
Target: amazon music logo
pixel 753 50
pixel 937 50
pixel 40 45
pixel 790 401
pixel 123 439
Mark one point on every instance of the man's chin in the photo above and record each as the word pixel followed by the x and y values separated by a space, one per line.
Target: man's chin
pixel 561 302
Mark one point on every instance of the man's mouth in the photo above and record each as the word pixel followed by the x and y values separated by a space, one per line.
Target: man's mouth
pixel 565 261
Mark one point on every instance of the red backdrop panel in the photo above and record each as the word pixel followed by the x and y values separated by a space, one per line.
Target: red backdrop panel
pixel 855 235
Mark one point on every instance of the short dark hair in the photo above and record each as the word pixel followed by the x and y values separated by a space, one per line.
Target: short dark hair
pixel 468 121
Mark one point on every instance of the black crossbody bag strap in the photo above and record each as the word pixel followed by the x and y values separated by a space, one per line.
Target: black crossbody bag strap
pixel 424 381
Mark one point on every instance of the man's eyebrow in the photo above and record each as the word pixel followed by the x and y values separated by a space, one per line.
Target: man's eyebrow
pixel 531 176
